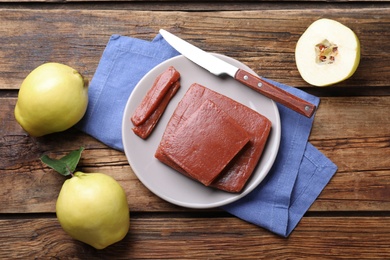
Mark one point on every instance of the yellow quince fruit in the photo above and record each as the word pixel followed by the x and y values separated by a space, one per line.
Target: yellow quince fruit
pixel 52 98
pixel 92 208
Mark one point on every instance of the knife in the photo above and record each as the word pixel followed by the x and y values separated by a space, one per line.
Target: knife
pixel 218 67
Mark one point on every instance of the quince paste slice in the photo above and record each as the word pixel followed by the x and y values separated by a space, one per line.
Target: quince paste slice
pixel 239 170
pixel 206 142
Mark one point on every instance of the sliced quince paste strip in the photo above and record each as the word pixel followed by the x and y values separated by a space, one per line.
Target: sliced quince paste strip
pixel 145 129
pixel 155 95
pixel 205 143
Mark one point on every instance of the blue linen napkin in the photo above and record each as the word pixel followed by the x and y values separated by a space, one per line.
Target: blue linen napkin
pixel 300 171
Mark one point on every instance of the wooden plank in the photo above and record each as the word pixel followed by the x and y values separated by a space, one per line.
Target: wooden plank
pixel 177 3
pixel 264 40
pixel 340 125
pixel 361 184
pixel 352 117
pixel 172 237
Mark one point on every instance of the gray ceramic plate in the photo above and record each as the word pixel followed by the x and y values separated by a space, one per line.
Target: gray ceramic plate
pixel 166 182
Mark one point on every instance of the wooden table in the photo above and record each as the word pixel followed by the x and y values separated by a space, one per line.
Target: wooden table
pixel 351 217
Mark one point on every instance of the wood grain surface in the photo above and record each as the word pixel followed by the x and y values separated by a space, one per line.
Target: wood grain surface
pixel 350 218
pixel 264 40
pixel 191 238
pixel 362 160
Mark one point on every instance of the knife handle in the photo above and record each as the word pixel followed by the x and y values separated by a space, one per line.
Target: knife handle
pixel 277 94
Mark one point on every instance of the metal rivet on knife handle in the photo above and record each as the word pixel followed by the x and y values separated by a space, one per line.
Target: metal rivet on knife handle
pixel 259 84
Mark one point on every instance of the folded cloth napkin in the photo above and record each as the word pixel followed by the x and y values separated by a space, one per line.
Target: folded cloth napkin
pixel 300 171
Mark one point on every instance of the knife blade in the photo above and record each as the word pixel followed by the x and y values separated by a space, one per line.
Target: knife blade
pixel 219 67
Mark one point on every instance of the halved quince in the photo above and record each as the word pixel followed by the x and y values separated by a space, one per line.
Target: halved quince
pixel 328 52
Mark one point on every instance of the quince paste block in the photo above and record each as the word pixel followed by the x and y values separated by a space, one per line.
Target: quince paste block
pixel 236 174
pixel 206 142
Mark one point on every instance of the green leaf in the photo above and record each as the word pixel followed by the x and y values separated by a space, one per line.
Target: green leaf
pixel 65 165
